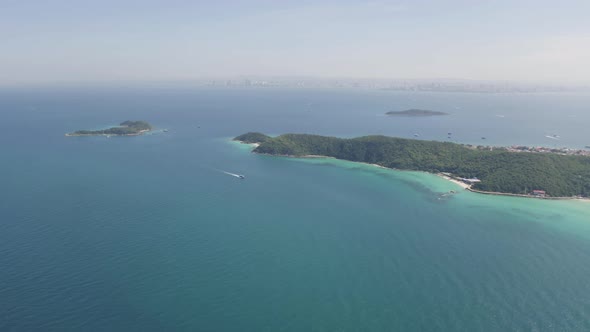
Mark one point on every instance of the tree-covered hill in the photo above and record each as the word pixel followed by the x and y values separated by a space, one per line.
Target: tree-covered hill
pixel 252 138
pixel 126 128
pixel 498 169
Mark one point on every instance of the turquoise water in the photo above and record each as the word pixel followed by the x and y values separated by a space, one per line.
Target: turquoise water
pixel 148 234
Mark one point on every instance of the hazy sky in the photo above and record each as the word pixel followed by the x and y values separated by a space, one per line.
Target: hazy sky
pixel 78 40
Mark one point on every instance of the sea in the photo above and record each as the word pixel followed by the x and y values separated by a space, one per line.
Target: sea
pixel 150 233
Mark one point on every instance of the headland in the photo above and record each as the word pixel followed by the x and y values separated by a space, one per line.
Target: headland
pixel 538 173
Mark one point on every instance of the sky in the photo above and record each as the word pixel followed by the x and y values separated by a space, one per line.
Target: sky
pixel 46 41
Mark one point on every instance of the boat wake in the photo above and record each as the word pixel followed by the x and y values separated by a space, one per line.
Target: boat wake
pixel 239 176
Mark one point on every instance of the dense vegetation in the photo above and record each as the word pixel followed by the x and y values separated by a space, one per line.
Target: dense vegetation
pixel 498 169
pixel 415 112
pixel 126 128
pixel 252 138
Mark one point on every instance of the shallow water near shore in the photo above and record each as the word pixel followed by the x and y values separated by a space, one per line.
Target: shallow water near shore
pixel 437 188
pixel 147 233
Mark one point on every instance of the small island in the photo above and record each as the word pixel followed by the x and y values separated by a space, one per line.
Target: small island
pixel 513 171
pixel 126 128
pixel 415 113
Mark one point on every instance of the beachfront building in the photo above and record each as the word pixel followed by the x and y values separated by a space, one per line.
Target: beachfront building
pixel 539 193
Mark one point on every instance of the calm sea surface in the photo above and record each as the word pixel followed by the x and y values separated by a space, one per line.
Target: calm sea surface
pixel 148 234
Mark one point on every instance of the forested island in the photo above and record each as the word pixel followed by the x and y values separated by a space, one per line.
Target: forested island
pixel 415 113
pixel 126 128
pixel 499 170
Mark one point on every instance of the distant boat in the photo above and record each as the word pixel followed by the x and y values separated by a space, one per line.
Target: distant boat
pixel 483 138
pixel 165 130
pixel 239 176
pixel 416 135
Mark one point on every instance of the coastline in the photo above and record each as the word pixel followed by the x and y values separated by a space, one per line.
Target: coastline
pixel 556 198
pixel 139 133
pixel 253 145
pixel 443 176
pixel 457 182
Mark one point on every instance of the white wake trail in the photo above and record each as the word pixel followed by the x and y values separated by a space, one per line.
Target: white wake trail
pixel 232 174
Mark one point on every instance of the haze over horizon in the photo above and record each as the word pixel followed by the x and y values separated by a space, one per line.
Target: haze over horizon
pixel 70 41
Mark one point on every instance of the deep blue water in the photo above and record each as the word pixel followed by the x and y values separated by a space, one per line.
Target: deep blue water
pixel 147 234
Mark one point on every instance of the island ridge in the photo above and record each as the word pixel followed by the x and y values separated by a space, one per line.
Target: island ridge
pixel 126 128
pixel 487 169
pixel 416 113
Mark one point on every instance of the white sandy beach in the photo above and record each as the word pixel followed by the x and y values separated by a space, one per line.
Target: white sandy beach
pixel 462 184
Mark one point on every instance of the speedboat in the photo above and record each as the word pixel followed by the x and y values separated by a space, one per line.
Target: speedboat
pixel 241 176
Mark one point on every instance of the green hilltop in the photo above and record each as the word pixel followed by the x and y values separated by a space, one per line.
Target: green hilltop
pixel 126 128
pixel 498 169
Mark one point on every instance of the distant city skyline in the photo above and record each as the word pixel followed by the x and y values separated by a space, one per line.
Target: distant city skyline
pixel 60 41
